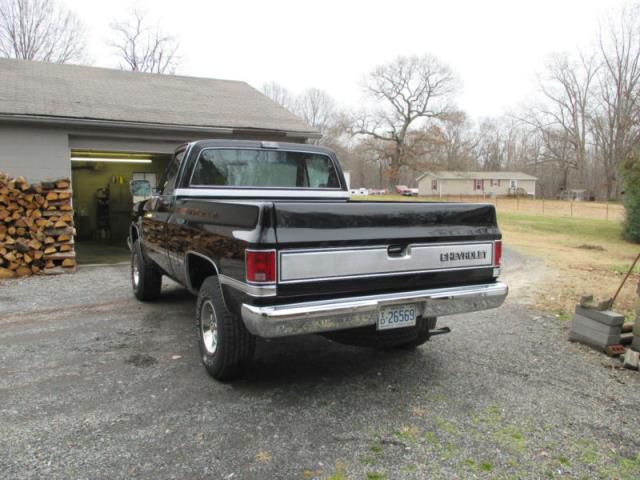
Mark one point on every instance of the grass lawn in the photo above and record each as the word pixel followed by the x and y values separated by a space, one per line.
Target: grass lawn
pixel 585 256
pixel 598 231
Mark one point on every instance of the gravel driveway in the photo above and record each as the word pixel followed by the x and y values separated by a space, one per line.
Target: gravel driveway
pixel 97 385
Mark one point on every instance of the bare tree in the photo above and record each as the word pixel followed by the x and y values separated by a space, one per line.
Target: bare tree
pixel 142 48
pixel 408 90
pixel 279 94
pixel 568 91
pixel 562 119
pixel 316 107
pixel 617 124
pixel 454 142
pixel 491 146
pixel 40 30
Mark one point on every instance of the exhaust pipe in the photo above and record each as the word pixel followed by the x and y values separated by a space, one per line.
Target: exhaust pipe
pixel 439 331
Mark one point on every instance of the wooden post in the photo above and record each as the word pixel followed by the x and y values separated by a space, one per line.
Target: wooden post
pixel 571 206
pixel 606 209
pixel 542 206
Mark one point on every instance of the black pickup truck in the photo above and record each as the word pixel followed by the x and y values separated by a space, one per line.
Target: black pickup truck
pixel 266 236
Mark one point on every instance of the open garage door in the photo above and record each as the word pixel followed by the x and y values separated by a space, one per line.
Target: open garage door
pixel 102 201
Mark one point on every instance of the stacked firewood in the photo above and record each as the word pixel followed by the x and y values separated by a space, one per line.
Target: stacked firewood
pixel 36 227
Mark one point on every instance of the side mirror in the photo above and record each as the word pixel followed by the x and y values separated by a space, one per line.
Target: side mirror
pixel 140 190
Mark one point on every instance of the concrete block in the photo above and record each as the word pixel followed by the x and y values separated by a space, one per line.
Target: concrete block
pixel 635 343
pixel 585 323
pixel 636 328
pixel 631 360
pixel 599 343
pixel 607 317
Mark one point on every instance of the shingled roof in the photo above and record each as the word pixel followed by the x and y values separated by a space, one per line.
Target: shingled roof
pixel 47 91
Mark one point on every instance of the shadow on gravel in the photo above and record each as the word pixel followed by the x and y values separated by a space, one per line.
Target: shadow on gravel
pixel 173 295
pixel 308 362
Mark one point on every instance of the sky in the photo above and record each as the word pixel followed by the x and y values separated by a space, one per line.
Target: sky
pixel 497 48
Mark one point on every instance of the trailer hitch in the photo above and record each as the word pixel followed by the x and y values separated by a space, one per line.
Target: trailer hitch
pixel 439 331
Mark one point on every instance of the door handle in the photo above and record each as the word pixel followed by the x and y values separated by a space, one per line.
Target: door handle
pixel 398 250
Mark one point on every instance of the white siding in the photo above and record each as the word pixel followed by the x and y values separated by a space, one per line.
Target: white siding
pixel 34 152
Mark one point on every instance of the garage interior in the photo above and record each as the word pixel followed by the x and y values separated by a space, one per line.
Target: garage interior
pixel 103 202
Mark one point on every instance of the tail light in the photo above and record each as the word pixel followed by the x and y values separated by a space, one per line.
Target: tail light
pixel 260 266
pixel 497 253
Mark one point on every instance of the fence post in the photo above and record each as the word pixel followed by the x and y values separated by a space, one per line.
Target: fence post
pixel 517 202
pixel 607 209
pixel 571 206
pixel 542 206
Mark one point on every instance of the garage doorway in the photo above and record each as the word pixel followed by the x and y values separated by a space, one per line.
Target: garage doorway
pixel 103 203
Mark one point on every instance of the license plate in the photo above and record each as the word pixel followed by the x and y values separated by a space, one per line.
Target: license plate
pixel 397 316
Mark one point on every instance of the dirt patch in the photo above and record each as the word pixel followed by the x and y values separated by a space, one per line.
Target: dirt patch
pixel 591 247
pixel 523 274
pixel 572 271
pixel 141 360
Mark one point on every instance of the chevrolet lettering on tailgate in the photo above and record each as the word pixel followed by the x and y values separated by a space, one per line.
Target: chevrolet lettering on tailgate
pixel 473 255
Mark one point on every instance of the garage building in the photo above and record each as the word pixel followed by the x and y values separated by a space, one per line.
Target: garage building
pixel 103 128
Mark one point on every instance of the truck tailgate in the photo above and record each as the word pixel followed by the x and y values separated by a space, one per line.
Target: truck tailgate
pixel 395 245
pixel 336 223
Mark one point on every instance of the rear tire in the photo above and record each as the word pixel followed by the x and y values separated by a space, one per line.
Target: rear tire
pixel 226 346
pixel 146 278
pixel 402 338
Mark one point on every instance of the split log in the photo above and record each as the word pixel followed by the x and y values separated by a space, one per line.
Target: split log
pixel 36 227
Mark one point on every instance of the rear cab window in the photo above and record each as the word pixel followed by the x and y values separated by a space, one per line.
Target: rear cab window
pixel 254 168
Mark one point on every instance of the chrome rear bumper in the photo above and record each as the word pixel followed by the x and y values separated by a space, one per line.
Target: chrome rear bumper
pixel 337 314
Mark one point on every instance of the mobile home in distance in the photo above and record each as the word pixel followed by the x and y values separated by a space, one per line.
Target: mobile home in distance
pixel 443 183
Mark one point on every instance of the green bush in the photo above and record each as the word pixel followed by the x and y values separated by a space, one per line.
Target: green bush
pixel 631 174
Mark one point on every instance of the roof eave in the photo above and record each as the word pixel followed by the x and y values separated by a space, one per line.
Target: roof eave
pixel 102 123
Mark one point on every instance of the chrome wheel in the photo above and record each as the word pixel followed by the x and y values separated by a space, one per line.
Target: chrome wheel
pixel 135 271
pixel 209 327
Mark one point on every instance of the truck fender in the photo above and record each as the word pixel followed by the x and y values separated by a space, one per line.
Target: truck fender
pixel 199 277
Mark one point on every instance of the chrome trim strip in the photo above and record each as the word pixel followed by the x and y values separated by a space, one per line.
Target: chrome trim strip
pixel 378 275
pixel 182 168
pixel 337 314
pixel 259 193
pixel 383 245
pixel 371 267
pixel 251 290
